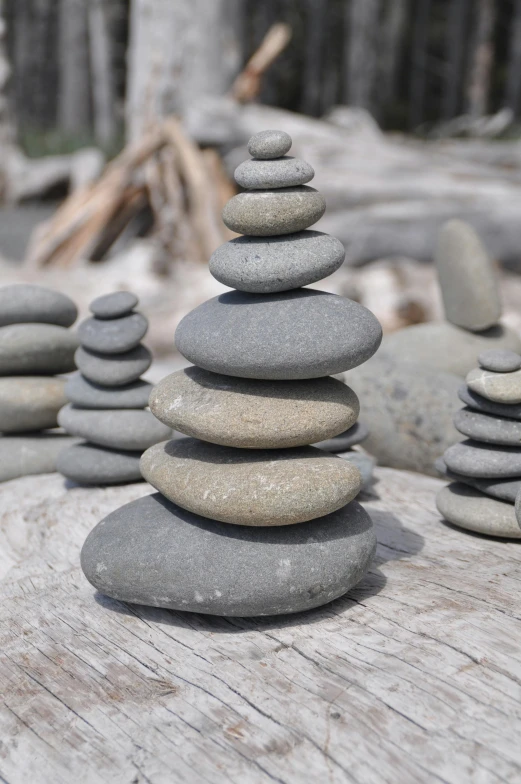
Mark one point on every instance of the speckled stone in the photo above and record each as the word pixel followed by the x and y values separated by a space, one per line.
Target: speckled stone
pixel 24 302
pixel 471 458
pixel 497 387
pixel 113 336
pixel 115 305
pixel 499 361
pixel 85 394
pixel 484 427
pixel 265 265
pixel 504 489
pixel 87 464
pixel 130 430
pixel 36 349
pixel 467 508
pixel 284 172
pixel 153 552
pixel 281 211
pixel 25 455
pixel 354 435
pixel 267 145
pixel 250 487
pixel 288 336
pixel 479 403
pixel 30 403
pixel 253 414
pixel 113 370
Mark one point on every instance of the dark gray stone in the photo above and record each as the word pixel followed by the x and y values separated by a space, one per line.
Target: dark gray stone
pixel 24 302
pixel 282 211
pixel 35 349
pixel 283 172
pixel 30 403
pixel 267 145
pixel 292 335
pixel 504 489
pixel 153 552
pixel 480 403
pixel 85 394
pixel 26 455
pixel 355 435
pixel 499 361
pixel 116 305
pixel 471 458
pixel 113 370
pixel 468 508
pixel 87 464
pixel 266 265
pixel 129 430
pixel 485 427
pixel 113 336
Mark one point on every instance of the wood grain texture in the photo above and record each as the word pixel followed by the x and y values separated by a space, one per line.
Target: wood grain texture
pixel 414 677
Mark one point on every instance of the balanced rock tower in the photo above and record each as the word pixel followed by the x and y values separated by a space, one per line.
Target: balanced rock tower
pixel 486 468
pixel 249 519
pixel 107 397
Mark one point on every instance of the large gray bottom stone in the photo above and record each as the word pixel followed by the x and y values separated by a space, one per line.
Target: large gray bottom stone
pixel 130 430
pixel 26 455
pixel 468 508
pixel 30 403
pixel 87 464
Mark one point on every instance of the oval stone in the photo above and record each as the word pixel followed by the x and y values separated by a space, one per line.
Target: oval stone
pixel 265 265
pixel 152 552
pixel 344 441
pixel 85 394
pixel 26 455
pixel 504 489
pixel 499 361
pixel 468 508
pixel 36 349
pixel 497 387
pixel 113 370
pixel 130 430
pixel 484 427
pixel 283 172
pixel 288 336
pixel 253 414
pixel 113 336
pixel 87 464
pixel 282 211
pixel 479 403
pixel 24 302
pixel 115 305
pixel 250 487
pixel 269 144
pixel 30 403
pixel 471 458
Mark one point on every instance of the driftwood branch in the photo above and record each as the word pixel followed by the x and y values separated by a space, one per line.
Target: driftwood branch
pixel 248 84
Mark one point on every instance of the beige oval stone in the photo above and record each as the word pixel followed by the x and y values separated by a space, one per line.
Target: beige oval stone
pixel 270 212
pixel 498 387
pixel 252 414
pixel 256 488
pixel 468 508
pixel 30 403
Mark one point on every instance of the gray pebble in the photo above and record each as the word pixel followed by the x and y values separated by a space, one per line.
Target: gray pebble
pixel 502 388
pixel 471 458
pixel 113 370
pixel 267 145
pixel 499 361
pixel 36 349
pixel 518 507
pixel 355 435
pixel 364 463
pixel 292 335
pixel 466 507
pixel 87 464
pixel 282 211
pixel 30 403
pixel 24 302
pixel 26 455
pixel 115 305
pixel 113 336
pixel 504 489
pixel 265 265
pixel 480 403
pixel 152 552
pixel 85 394
pixel 484 427
pixel 129 429
pixel 281 173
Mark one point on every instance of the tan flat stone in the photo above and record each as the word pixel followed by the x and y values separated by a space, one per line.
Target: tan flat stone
pixel 498 387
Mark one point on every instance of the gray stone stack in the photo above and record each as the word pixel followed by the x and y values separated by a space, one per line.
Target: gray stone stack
pixel 107 398
pixel 250 519
pixel 486 468
pixel 35 346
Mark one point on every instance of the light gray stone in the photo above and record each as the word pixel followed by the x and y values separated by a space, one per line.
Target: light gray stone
pixel 130 430
pixel 479 403
pixel 288 336
pixel 113 336
pixel 281 211
pixel 267 145
pixel 354 435
pixel 115 305
pixel 25 302
pixel 504 489
pixel 471 458
pixel 467 508
pixel 26 455
pixel 467 279
pixel 497 387
pixel 485 427
pixel 113 370
pixel 500 361
pixel 283 172
pixel 30 403
pixel 86 394
pixel 265 265
pixel 36 349
pixel 88 464
pixel 364 463
pixel 153 552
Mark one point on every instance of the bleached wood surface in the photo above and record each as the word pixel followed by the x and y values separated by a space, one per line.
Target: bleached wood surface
pixel 414 677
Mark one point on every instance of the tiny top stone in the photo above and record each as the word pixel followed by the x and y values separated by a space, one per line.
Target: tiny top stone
pixel 267 145
pixel 114 305
pixel 499 361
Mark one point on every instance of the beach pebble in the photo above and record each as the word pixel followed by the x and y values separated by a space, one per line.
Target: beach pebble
pixel 499 361
pixel 468 508
pixel 86 394
pixel 281 173
pixel 267 145
pixel 354 435
pixel 25 302
pixel 113 370
pixel 30 403
pixel 36 453
pixel 130 430
pixel 112 336
pixel 35 349
pixel 365 464
pixel 111 306
pixel 281 211
pixel 87 464
pixel 497 387
pixel 504 489
pixel 472 458
pixel 485 427
pixel 479 403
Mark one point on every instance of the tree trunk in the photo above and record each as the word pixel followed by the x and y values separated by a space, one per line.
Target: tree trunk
pixel 393 29
pixel 74 82
pixel 419 57
pixel 362 52
pixel 315 34
pixel 457 21
pixel 482 59
pixel 513 85
pixel 103 92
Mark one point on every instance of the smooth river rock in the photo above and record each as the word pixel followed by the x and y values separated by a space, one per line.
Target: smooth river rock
pixel 471 458
pixel 86 394
pixel 497 387
pixel 30 403
pixel 25 302
pixel 281 211
pixel 365 464
pixel 252 414
pixel 340 443
pixel 484 427
pixel 499 361
pixel 88 464
pixel 131 430
pixel 152 552
pixel 504 489
pixel 473 400
pixel 266 265
pixel 35 453
pixel 36 349
pixel 518 507
pixel 115 305
pixel 283 172
pixel 113 370
pixel 288 336
pixel 267 145
pixel 250 487
pixel 113 336
pixel 466 507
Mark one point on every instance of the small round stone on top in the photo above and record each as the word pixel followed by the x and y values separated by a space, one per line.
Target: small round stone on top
pixel 114 305
pixel 499 361
pixel 267 145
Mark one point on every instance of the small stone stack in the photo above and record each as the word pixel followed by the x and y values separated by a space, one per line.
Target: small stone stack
pixel 35 346
pixel 250 519
pixel 486 468
pixel 107 397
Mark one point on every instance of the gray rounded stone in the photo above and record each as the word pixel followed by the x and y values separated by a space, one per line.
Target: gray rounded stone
pixel 283 172
pixel 354 435
pixel 115 305
pixel 86 394
pixel 88 464
pixel 292 335
pixel 30 403
pixel 113 370
pixel 518 507
pixel 113 336
pixel 267 145
pixel 253 414
pixel 479 403
pixel 499 361
pixel 130 430
pixel 26 455
pixel 502 388
pixel 36 349
pixel 484 427
pixel 153 552
pixel 466 507
pixel 267 265
pixel 24 302
pixel 471 458
pixel 504 489
pixel 282 211
pixel 364 463
pixel 250 487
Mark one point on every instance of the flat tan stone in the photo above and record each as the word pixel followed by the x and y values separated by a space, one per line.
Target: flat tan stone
pixel 498 387
pixel 30 403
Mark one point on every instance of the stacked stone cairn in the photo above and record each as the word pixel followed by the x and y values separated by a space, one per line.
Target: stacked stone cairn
pixel 36 345
pixel 249 519
pixel 486 468
pixel 107 398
